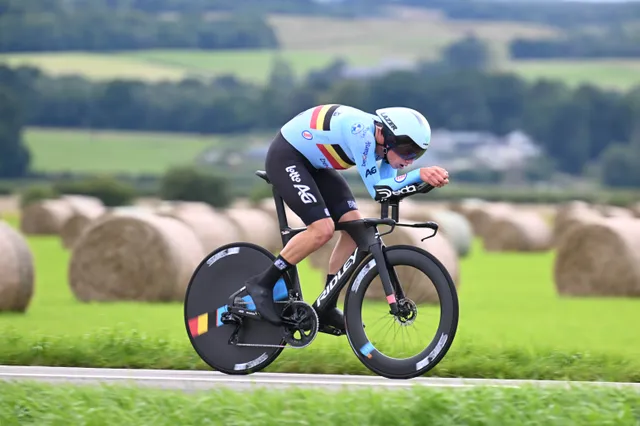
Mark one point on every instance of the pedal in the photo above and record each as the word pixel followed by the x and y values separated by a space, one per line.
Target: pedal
pixel 327 329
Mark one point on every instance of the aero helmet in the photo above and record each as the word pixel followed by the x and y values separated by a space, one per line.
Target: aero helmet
pixel 406 131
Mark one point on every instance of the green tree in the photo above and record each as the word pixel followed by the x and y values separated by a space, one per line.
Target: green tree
pixel 621 165
pixel 468 53
pixel 14 155
pixel 189 184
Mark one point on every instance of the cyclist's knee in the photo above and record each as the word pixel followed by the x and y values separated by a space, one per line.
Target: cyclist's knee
pixel 351 215
pixel 322 231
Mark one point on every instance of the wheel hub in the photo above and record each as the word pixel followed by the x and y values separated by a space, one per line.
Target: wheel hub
pixel 407 312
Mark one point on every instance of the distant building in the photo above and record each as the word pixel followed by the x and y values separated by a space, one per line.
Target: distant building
pixel 460 150
pixel 454 150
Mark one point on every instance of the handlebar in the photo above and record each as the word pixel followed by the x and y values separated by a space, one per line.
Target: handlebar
pixel 384 193
pixel 382 221
pixel 391 199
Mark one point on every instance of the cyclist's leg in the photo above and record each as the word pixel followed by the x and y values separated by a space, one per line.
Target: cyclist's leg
pixel 342 207
pixel 289 173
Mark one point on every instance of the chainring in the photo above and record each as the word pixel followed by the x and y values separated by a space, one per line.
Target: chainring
pixel 307 324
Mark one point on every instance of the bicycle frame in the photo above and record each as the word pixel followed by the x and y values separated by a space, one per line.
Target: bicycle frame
pixel 365 234
pixel 367 238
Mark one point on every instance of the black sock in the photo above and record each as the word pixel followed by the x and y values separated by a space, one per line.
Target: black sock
pixel 269 277
pixel 331 303
pixel 329 278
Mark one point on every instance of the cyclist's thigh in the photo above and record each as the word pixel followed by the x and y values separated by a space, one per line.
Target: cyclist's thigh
pixel 290 174
pixel 336 192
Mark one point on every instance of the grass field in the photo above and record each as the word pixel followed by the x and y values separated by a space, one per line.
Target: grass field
pixel 616 74
pixel 47 404
pixel 512 324
pixel 56 150
pixel 313 42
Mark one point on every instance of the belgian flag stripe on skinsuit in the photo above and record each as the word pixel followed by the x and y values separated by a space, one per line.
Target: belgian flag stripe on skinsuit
pixel 336 156
pixel 321 117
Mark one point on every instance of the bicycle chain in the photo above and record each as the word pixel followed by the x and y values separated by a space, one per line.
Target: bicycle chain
pixel 267 346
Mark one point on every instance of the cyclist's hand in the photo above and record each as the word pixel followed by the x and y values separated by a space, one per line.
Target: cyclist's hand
pixel 434 176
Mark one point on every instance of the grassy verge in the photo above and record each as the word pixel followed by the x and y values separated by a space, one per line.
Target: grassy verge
pixel 120 347
pixel 45 404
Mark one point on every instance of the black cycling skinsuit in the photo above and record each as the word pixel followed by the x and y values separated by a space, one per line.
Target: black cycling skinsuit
pixel 311 193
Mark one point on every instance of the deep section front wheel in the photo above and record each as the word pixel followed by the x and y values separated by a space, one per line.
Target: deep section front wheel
pixel 222 273
pixel 415 340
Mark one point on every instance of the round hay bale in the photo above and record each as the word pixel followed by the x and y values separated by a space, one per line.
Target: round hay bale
pixel 568 218
pixel 17 266
pixel 75 225
pixel 82 203
pixel 614 211
pixel 453 225
pixel 547 211
pixel 134 257
pixel 85 210
pixel 256 226
pixel 120 211
pixel 369 208
pixel 212 228
pixel 483 214
pixel 9 204
pixel 525 231
pixel 129 210
pixel 466 205
pixel 241 203
pixel 600 259
pixel 418 287
pixel 566 211
pixel 268 205
pixel 45 217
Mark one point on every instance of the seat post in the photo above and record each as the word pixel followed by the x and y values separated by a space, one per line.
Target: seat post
pixel 282 215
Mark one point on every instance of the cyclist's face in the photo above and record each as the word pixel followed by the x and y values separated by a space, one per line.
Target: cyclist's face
pixel 396 161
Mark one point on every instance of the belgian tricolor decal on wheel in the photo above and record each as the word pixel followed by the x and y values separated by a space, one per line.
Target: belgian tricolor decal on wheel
pixel 336 156
pixel 321 117
pixel 199 325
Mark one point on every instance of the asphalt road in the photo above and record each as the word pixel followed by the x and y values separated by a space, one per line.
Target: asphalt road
pixel 201 380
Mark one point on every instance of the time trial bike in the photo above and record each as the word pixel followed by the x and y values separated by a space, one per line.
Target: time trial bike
pixel 230 336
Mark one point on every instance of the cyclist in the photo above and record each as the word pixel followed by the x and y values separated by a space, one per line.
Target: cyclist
pixel 303 162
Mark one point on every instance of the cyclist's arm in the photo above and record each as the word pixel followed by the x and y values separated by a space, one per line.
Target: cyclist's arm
pixel 394 182
pixel 371 175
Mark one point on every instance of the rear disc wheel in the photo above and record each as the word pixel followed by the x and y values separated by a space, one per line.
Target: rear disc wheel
pixel 222 273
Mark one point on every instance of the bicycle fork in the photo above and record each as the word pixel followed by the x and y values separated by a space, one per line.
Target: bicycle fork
pixel 388 277
pixel 368 239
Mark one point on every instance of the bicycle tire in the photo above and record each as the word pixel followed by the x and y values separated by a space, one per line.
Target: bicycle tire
pixel 220 274
pixel 429 357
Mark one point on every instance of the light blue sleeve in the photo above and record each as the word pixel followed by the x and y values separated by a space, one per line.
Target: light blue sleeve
pixel 371 174
pixel 397 182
